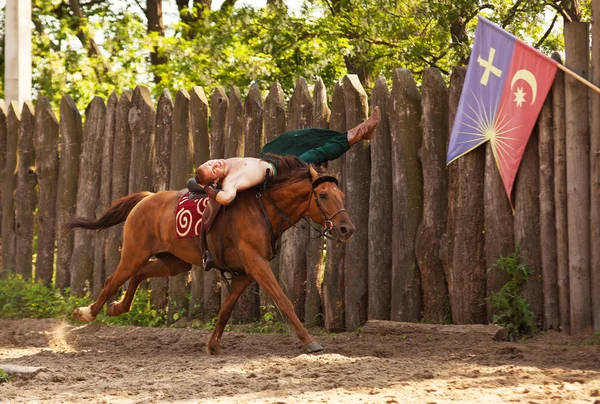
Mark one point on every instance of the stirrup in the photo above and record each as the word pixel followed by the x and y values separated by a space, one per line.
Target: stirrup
pixel 207 261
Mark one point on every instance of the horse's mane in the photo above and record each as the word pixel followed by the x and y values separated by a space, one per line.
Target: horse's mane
pixel 289 169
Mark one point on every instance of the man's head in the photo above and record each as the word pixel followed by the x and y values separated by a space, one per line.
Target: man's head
pixel 211 172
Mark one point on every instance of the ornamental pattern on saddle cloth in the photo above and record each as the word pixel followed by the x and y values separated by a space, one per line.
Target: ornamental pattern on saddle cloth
pixel 188 216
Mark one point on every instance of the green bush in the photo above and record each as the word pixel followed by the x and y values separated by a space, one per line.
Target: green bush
pixel 512 310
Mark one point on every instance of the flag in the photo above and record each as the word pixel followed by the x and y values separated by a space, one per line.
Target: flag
pixel 506 84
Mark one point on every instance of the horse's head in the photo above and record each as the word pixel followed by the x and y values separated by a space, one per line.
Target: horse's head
pixel 326 206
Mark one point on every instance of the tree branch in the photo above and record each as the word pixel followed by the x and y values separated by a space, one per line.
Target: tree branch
pixel 543 38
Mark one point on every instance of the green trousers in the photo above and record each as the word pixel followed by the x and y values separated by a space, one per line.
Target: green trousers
pixel 311 145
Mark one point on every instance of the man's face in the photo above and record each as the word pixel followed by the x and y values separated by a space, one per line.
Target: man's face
pixel 213 170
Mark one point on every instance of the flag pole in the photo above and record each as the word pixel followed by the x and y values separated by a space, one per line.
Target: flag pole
pixel 578 77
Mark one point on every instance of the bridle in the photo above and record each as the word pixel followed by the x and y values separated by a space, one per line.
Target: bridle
pixel 328 220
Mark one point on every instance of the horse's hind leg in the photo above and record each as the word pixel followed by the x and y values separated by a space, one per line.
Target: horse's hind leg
pixel 164 265
pixel 133 257
pixel 239 283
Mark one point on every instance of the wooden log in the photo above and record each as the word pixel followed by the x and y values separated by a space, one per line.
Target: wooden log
pixel 547 218
pixel 3 139
pixel 595 168
pixel 219 105
pixel 274 125
pixel 120 177
pixel 45 141
pixel 527 224
pixel 578 176
pixel 253 122
pixel 105 200
pixel 182 165
pixel 314 249
pixel 292 260
pixel 25 193
pixel 380 210
pixel 499 227
pixel 333 281
pixel 560 195
pixel 71 138
pixel 495 332
pixel 435 195
pixel 462 244
pixel 358 177
pixel 161 178
pixel 234 132
pixel 88 192
pixel 199 127
pixel 142 122
pixel 407 180
pixel 9 183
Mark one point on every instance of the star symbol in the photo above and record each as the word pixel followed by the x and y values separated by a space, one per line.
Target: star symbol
pixel 519 97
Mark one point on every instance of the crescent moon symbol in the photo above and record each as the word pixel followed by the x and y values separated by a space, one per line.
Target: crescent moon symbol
pixel 527 76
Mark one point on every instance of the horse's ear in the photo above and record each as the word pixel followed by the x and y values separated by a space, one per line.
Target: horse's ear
pixel 313 173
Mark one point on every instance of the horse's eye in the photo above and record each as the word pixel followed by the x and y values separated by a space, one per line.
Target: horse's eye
pixel 323 196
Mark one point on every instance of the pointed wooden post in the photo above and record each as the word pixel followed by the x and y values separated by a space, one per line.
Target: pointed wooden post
pixel 3 140
pixel 142 122
pixel 25 194
pixel 45 140
pixel 234 132
pixel 71 138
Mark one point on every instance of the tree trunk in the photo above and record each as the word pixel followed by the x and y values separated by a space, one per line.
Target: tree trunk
pixel 407 179
pixel 155 24
pixel 46 166
pixel 435 195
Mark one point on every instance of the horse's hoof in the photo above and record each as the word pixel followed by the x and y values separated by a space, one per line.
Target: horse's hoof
pixel 83 314
pixel 214 350
pixel 314 347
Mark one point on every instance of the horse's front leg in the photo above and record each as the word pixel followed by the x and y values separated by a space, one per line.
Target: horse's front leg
pixel 261 271
pixel 239 283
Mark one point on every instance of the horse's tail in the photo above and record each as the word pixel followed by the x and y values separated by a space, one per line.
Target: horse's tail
pixel 115 214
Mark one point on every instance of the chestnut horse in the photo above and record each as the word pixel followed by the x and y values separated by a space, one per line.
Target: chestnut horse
pixel 298 190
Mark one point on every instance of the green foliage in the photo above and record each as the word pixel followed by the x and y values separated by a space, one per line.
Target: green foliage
pixel 512 310
pixel 141 314
pixel 4 377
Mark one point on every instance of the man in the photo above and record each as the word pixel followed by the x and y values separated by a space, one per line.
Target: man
pixel 311 145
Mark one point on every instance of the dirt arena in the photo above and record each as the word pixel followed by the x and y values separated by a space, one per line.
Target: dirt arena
pixel 110 364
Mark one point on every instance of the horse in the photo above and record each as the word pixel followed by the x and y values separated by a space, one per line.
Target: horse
pixel 244 233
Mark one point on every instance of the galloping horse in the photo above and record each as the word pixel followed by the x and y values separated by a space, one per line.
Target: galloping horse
pixel 247 229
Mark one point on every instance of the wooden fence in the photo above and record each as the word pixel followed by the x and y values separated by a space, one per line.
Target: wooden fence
pixel 426 233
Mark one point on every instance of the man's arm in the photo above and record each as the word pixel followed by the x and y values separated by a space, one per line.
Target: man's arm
pixel 226 196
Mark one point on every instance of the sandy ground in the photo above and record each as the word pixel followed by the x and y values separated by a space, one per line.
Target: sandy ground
pixel 110 364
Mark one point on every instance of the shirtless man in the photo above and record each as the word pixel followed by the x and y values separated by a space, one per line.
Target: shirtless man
pixel 311 145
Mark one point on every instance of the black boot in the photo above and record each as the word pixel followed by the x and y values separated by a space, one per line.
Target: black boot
pixel 207 261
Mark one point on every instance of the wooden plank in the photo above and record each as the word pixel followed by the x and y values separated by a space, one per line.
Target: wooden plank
pixel 45 140
pixel 25 193
pixel 142 122
pixel 560 195
pixel 88 192
pixel 161 179
pixel 435 195
pixel 9 183
pixel 274 124
pixel 292 259
pixel 219 105
pixel 595 168
pixel 71 138
pixel 182 164
pixel 462 244
pixel 3 139
pixel 578 176
pixel 234 132
pixel 495 332
pixel 314 249
pixel 407 179
pixel 199 128
pixel 380 210
pixel 105 200
pixel 358 177
pixel 120 177
pixel 547 218
pixel 333 281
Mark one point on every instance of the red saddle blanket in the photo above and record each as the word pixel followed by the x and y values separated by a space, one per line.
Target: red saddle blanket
pixel 188 215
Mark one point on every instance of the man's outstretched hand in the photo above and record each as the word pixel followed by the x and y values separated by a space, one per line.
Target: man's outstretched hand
pixel 212 191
